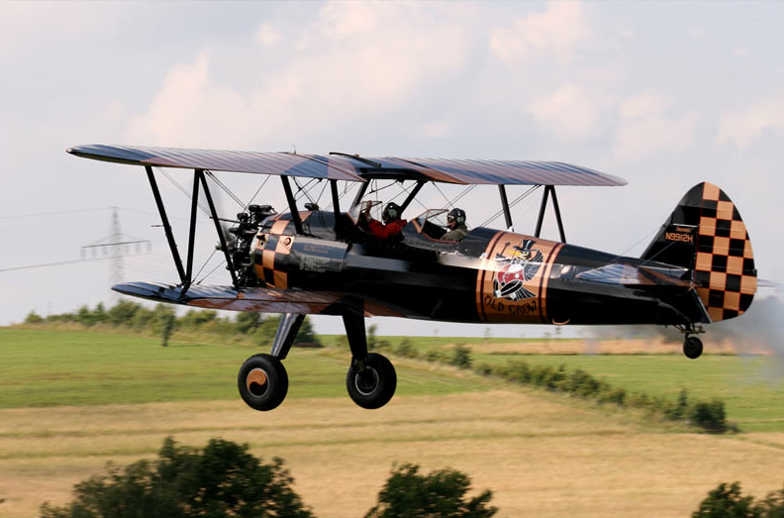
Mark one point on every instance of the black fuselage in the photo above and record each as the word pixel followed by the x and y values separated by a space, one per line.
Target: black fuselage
pixel 489 276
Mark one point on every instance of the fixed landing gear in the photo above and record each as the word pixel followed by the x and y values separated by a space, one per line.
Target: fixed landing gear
pixel 692 347
pixel 371 380
pixel 373 384
pixel 263 382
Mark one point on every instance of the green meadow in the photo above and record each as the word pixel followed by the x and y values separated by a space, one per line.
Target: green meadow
pixel 54 368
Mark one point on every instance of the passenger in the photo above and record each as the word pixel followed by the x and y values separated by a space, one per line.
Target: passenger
pixel 392 223
pixel 455 222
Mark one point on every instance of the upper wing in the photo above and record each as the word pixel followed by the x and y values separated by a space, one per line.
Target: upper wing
pixel 498 172
pixel 288 164
pixel 339 166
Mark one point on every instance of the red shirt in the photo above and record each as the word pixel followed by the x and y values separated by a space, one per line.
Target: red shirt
pixel 382 231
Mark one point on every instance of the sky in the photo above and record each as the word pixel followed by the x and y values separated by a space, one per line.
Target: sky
pixel 663 94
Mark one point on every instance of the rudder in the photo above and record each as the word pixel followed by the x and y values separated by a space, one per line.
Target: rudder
pixel 706 234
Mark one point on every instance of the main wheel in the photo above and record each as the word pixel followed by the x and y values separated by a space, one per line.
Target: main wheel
pixel 263 382
pixel 692 347
pixel 373 386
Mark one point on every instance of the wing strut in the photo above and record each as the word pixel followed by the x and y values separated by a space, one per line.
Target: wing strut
pixel 186 271
pixel 556 208
pixel 412 194
pixel 192 231
pixel 166 225
pixel 333 184
pixel 292 204
pixel 505 204
pixel 218 229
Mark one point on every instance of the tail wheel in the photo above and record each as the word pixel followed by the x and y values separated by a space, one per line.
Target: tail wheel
pixel 374 385
pixel 692 347
pixel 263 382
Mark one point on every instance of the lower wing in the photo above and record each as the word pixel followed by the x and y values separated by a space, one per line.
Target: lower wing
pixel 262 300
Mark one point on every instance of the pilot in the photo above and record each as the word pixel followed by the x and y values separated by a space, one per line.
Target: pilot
pixel 455 222
pixel 392 223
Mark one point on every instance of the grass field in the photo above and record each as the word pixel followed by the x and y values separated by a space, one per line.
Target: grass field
pixel 72 401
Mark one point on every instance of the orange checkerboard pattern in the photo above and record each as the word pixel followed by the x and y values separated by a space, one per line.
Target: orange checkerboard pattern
pixel 724 266
pixel 271 256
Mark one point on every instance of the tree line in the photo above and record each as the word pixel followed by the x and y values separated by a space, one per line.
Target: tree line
pixel 224 480
pixel 162 320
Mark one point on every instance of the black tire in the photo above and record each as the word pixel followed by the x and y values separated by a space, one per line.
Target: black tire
pixel 692 347
pixel 375 385
pixel 263 382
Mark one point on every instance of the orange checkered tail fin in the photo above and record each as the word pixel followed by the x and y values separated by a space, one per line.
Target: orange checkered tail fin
pixel 706 234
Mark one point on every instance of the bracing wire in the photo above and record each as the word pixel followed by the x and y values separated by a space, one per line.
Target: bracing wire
pixel 204 265
pixel 517 200
pixel 225 189
pixel 304 189
pixel 323 188
pixel 446 198
pixel 210 273
pixel 257 192
pixel 461 195
pixel 185 191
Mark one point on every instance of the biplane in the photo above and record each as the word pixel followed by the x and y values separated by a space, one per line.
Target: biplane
pixel 699 267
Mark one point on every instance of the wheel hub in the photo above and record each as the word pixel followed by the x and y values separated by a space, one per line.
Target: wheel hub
pixel 366 381
pixel 256 382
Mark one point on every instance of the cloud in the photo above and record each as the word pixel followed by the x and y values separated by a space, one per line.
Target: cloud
pixel 572 111
pixel 352 63
pixel 267 34
pixel 191 110
pixel 644 104
pixel 638 139
pixel 743 127
pixel 558 30
pixel 645 127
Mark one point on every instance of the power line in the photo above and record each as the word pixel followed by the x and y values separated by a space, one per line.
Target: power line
pixel 75 211
pixel 46 265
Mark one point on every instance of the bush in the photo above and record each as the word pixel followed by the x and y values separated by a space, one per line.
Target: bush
pixel 122 313
pixel 461 357
pixel 222 480
pixel 435 356
pixel 247 321
pixel 407 494
pixel 709 416
pixel 727 501
pixel 33 318
pixel 164 321
pixel 406 349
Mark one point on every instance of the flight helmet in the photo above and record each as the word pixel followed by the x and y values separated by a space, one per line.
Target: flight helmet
pixel 392 212
pixel 457 215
